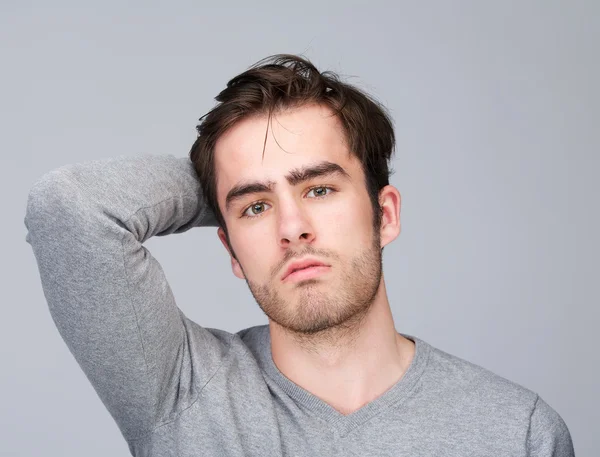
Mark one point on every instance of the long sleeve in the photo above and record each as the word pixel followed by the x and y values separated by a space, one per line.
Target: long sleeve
pixel 107 295
pixel 548 434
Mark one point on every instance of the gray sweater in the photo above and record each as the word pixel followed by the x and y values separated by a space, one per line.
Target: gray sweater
pixel 176 388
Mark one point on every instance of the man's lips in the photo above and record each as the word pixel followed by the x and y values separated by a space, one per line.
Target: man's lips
pixel 307 264
pixel 306 273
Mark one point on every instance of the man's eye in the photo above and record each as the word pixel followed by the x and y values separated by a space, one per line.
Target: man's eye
pixel 256 209
pixel 320 188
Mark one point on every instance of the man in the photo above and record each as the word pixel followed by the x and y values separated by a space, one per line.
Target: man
pixel 292 167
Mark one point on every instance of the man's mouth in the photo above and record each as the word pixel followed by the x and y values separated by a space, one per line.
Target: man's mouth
pixel 308 272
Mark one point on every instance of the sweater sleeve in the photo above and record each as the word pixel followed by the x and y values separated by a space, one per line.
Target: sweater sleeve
pixel 548 434
pixel 107 295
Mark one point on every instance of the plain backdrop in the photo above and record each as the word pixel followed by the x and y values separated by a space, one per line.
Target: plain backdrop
pixel 497 113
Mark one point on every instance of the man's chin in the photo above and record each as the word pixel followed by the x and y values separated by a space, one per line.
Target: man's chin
pixel 305 285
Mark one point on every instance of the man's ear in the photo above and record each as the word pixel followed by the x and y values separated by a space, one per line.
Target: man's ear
pixel 390 201
pixel 235 265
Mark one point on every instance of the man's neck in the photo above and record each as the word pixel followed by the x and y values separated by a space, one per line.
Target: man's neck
pixel 346 368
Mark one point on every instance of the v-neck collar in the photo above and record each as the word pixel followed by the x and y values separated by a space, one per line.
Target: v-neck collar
pixel 340 422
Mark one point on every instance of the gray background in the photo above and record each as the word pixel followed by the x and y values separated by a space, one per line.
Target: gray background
pixel 496 106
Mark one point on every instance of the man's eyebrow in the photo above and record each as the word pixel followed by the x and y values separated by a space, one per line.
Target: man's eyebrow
pixel 294 177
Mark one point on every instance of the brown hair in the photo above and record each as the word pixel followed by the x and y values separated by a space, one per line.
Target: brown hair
pixel 287 81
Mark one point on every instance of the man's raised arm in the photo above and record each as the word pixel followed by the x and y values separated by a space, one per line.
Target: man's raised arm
pixel 106 293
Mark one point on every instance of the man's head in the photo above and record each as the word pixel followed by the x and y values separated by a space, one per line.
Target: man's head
pixel 294 164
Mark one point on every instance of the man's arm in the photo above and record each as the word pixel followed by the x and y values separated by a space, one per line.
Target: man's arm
pixel 106 293
pixel 548 434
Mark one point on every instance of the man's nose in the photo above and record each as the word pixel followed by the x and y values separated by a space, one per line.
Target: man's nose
pixel 295 227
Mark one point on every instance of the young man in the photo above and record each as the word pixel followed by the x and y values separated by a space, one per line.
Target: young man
pixel 292 166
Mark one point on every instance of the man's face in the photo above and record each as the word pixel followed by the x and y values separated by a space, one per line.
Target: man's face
pixel 327 217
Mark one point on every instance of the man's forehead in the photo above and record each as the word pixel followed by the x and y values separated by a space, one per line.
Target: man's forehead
pixel 304 131
pixel 289 168
pixel 294 140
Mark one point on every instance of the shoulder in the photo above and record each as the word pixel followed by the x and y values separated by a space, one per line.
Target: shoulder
pixel 489 397
pixel 548 433
pixel 474 383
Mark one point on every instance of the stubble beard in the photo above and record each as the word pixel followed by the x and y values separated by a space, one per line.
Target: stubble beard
pixel 328 310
